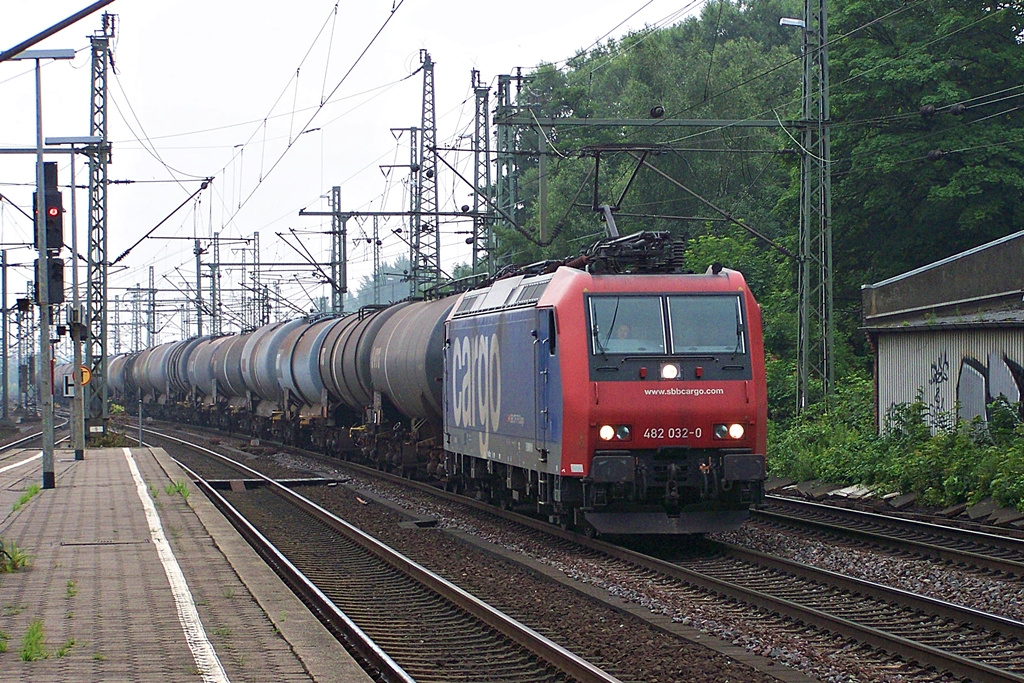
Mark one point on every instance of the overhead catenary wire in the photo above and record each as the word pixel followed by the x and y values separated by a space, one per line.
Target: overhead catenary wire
pixel 240 196
pixel 202 187
pixel 766 72
pixel 398 4
pixel 146 143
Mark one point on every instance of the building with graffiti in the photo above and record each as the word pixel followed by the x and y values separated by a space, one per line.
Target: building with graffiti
pixel 950 333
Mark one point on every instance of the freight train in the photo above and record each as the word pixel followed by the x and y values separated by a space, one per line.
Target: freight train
pixel 613 393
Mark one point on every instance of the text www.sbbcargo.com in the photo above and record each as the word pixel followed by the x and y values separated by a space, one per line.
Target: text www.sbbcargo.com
pixel 676 391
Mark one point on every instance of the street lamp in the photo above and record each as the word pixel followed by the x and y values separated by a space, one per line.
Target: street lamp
pixel 42 284
pixel 76 322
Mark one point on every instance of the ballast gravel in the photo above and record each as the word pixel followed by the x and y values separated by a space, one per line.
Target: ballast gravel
pixel 628 647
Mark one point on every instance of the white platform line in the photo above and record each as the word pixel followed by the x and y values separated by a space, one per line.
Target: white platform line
pixel 202 650
pixel 35 457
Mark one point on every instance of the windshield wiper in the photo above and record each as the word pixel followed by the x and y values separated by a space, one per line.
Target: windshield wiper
pixel 597 342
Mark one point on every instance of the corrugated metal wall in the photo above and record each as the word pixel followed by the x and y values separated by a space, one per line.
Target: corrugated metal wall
pixel 952 370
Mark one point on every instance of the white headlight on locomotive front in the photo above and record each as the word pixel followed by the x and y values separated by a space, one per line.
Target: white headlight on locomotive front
pixel 669 371
pixel 729 431
pixel 615 433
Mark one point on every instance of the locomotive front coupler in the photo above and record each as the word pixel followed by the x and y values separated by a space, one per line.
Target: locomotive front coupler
pixel 672 489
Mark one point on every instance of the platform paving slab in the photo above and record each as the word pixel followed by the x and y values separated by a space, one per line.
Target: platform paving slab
pixel 97 587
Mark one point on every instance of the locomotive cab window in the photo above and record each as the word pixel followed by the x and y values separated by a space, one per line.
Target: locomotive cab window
pixel 552 332
pixel 706 324
pixel 627 324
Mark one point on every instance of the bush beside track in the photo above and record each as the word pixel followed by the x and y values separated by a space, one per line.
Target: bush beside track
pixel 960 463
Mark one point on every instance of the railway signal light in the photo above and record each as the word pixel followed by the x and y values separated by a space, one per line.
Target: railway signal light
pixel 53 208
pixel 53 270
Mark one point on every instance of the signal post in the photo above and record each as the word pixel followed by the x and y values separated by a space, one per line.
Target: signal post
pixel 49 268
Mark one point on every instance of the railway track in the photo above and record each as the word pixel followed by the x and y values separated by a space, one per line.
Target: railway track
pixel 912 634
pixel 26 440
pixel 985 550
pixel 924 634
pixel 408 621
pixel 965 642
pixel 916 629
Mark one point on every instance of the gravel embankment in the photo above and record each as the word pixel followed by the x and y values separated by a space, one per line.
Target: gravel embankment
pixel 630 648
pixel 598 633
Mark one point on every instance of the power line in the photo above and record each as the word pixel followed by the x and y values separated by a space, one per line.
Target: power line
pixel 288 148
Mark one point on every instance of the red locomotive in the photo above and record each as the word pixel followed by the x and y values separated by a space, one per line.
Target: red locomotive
pixel 623 403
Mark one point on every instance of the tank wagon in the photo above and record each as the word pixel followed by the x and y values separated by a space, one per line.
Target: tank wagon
pixel 613 393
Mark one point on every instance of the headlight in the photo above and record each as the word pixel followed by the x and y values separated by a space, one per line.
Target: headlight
pixel 615 432
pixel 729 431
pixel 669 371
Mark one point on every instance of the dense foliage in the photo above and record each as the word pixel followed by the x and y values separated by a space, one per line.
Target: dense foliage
pixel 926 142
pixel 960 463
pixel 927 135
pixel 937 77
pixel 688 70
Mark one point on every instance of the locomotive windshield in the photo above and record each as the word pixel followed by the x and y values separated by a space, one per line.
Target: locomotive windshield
pixel 627 324
pixel 697 324
pixel 706 324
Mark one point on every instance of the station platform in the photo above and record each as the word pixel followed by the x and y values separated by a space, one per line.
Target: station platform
pixel 128 580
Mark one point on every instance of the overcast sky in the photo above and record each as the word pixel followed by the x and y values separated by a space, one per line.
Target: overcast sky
pixel 225 90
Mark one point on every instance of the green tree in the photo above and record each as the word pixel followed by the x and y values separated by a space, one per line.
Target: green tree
pixel 392 286
pixel 927 131
pixel 714 66
pixel 926 143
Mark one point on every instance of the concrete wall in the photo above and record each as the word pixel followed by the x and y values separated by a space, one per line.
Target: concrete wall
pixel 984 278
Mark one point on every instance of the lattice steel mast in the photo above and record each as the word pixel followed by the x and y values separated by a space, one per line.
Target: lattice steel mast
pixel 425 237
pixel 483 236
pixel 815 321
pixel 215 312
pixel 507 187
pixel 339 253
pixel 151 313
pixel 96 307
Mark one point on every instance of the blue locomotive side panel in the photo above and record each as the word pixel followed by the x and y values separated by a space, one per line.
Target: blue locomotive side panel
pixel 491 388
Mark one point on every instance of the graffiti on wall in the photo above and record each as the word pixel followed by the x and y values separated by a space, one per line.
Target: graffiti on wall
pixel 978 383
pixel 939 376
